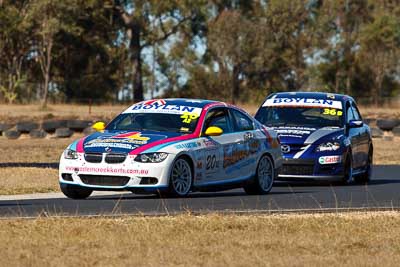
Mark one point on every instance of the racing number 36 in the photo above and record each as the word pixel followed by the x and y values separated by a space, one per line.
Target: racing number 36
pixel 332 112
pixel 211 161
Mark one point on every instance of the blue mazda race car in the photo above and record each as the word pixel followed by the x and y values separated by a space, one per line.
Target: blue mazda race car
pixel 322 136
pixel 173 146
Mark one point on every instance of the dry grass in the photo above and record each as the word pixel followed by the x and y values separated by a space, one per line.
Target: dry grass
pixel 33 150
pixel 308 240
pixel 386 152
pixel 28 180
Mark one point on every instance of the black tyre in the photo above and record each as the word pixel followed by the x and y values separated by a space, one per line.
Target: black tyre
pixel 75 192
pixel 376 132
pixel 264 179
pixel 26 127
pixel 51 125
pixel 181 178
pixel 38 134
pixel 12 134
pixel 88 130
pixel 366 176
pixel 396 131
pixel 348 170
pixel 64 133
pixel 4 127
pixel 387 124
pixel 78 125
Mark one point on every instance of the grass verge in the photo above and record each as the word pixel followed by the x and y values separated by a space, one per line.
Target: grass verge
pixel 28 180
pixel 359 239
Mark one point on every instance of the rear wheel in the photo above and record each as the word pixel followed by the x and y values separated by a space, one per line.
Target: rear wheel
pixel 181 178
pixel 264 179
pixel 366 176
pixel 75 192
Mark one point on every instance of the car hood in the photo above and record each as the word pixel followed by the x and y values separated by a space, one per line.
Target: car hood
pixel 122 141
pixel 305 135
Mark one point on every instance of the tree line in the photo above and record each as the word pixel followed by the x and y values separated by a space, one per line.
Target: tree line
pixel 233 50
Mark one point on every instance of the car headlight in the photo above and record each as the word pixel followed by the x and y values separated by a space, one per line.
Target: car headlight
pixel 70 154
pixel 328 146
pixel 151 157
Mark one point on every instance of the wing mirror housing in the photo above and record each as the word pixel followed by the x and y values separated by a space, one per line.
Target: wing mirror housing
pixel 214 131
pixel 99 126
pixel 355 123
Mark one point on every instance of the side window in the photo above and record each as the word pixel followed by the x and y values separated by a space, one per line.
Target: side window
pixel 241 121
pixel 218 117
pixel 349 111
pixel 356 113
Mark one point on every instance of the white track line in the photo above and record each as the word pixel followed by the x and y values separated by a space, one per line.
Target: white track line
pixel 56 195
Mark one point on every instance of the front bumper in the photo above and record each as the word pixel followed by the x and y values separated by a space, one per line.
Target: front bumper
pixel 128 175
pixel 311 169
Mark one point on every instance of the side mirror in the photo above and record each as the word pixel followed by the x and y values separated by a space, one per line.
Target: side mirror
pixel 99 126
pixel 213 131
pixel 355 124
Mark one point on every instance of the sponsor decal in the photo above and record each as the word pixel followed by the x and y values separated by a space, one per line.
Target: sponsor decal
pixel 294 130
pixel 208 143
pixel 233 154
pixel 199 165
pixel 130 141
pixel 133 136
pixel 109 144
pixel 302 102
pixel 157 107
pixel 187 145
pixel 184 129
pixel 160 102
pixel 107 170
pixel 329 160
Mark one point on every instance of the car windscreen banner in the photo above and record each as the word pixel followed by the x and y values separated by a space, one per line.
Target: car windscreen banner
pixel 302 102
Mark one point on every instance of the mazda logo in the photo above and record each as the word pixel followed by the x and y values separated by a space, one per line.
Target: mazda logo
pixel 285 148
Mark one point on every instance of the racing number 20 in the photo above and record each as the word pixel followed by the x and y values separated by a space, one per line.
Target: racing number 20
pixel 211 161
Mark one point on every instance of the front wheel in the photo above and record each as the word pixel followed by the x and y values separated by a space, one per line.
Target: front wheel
pixel 181 178
pixel 348 170
pixel 366 176
pixel 75 192
pixel 264 178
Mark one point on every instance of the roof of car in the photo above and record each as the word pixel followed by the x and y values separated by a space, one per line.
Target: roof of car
pixel 314 95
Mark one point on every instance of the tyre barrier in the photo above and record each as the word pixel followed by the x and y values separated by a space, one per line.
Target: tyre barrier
pixel 376 132
pixel 54 128
pixel 78 125
pixel 11 134
pixel 396 131
pixel 4 127
pixel 26 127
pixel 387 124
pixel 64 133
pixel 50 126
pixel 37 134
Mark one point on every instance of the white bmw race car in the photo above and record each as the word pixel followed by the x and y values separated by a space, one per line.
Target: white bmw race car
pixel 173 146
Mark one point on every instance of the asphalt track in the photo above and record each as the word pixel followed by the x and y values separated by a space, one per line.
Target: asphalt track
pixel 383 192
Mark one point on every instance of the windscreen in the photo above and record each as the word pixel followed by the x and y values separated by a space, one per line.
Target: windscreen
pixel 301 112
pixel 159 122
